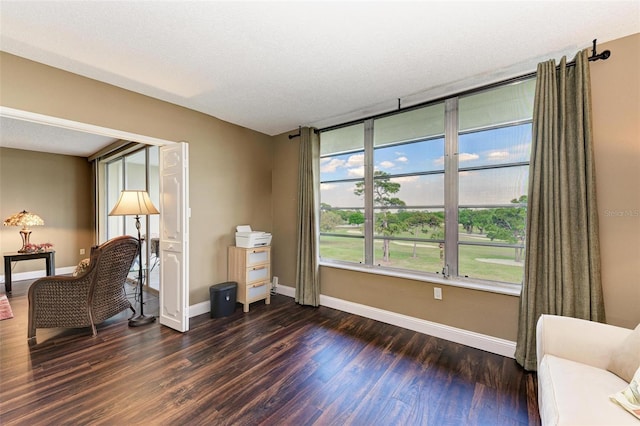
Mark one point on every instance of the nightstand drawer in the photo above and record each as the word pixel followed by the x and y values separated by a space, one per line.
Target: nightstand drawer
pixel 258 256
pixel 258 273
pixel 257 291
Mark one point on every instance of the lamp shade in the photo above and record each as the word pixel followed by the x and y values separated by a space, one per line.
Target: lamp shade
pixel 24 219
pixel 133 202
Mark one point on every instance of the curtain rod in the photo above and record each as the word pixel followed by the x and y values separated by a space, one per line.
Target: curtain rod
pixel 594 57
pixel 316 131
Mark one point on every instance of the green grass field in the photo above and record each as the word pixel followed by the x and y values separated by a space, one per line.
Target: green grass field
pixel 490 263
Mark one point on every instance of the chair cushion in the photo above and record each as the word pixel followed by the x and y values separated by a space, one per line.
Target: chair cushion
pixel 572 393
pixel 81 267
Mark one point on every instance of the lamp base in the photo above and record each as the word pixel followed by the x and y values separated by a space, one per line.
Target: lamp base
pixel 25 234
pixel 141 320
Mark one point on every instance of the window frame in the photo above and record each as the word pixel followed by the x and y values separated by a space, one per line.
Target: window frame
pixel 452 244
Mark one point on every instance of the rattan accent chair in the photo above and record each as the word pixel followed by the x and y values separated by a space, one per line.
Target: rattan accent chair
pixel 89 298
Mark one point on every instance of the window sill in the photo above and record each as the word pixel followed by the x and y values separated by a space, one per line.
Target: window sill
pixel 490 286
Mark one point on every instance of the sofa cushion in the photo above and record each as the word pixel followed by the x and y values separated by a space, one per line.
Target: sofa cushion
pixel 629 398
pixel 625 359
pixel 573 393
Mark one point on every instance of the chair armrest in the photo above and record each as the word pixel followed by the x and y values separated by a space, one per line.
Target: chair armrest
pixel 579 340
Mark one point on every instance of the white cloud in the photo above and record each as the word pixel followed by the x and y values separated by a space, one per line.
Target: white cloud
pixel 386 164
pixel 402 159
pixel 498 155
pixel 327 186
pixel 355 160
pixel 356 172
pixel 464 156
pixel 405 179
pixel 331 165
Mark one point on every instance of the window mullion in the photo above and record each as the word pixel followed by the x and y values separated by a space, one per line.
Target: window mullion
pixel 123 186
pixel 368 193
pixel 451 187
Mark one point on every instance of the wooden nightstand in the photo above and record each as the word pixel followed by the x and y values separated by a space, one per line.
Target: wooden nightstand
pixel 251 269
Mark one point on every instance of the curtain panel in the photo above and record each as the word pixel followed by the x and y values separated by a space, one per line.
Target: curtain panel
pixel 562 262
pixel 307 271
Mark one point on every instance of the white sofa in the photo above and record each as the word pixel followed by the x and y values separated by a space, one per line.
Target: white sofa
pixel 574 381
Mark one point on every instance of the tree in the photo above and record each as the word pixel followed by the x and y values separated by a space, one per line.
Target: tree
pixel 387 223
pixel 344 214
pixel 325 206
pixel 417 221
pixel 329 220
pixel 465 218
pixel 479 219
pixel 356 218
pixel 482 218
pixel 508 224
pixel 435 221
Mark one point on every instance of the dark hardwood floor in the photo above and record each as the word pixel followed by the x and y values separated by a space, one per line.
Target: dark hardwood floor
pixel 281 364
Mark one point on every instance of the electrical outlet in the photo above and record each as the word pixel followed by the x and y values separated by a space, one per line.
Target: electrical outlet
pixel 81 251
pixel 437 293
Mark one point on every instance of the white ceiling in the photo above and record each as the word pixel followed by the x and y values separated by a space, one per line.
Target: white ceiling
pixel 272 66
pixel 21 134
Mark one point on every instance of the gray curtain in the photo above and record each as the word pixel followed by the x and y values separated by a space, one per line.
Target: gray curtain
pixel 562 263
pixel 307 272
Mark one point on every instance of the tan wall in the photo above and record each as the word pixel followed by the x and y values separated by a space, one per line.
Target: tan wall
pixel 615 87
pixel 58 189
pixel 230 166
pixel 616 115
pixel 285 205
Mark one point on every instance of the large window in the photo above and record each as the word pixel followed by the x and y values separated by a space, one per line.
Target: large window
pixel 439 189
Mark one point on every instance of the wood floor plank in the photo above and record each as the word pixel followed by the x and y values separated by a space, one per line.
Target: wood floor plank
pixel 279 364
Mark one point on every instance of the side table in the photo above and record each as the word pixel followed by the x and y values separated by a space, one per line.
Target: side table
pixel 49 256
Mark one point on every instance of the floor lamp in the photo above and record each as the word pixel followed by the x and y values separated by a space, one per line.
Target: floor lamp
pixel 136 203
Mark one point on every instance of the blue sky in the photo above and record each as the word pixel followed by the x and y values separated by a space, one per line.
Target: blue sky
pixel 498 146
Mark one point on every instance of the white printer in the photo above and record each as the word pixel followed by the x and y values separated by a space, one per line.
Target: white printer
pixel 247 238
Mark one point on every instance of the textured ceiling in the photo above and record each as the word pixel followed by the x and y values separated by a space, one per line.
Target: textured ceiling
pixel 20 134
pixel 272 66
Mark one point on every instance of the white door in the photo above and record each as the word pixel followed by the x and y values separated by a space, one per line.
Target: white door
pixel 174 236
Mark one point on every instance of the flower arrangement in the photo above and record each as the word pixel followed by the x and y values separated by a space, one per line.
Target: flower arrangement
pixel 38 248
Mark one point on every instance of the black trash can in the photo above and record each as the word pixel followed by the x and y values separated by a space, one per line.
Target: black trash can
pixel 223 299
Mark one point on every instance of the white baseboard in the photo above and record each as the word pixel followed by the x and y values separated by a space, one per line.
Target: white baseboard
pixel 32 275
pixel 469 338
pixel 205 307
pixel 286 291
pixel 199 309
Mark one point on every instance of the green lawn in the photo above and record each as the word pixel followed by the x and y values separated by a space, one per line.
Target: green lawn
pixel 492 263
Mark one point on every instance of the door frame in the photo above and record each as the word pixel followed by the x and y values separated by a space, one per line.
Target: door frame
pixel 102 131
pixel 33 117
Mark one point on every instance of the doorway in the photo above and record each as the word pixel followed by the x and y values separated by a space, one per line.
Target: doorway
pixel 173 199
